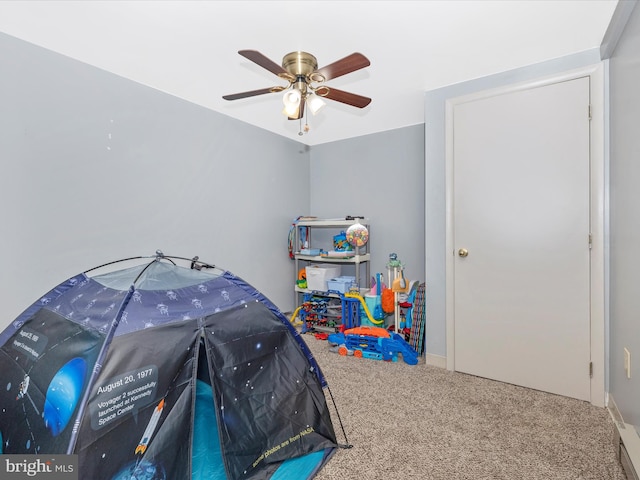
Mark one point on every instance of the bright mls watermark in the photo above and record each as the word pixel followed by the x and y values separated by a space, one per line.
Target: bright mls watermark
pixel 49 467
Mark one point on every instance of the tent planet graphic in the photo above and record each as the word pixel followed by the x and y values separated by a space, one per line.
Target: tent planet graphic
pixel 63 395
pixel 159 371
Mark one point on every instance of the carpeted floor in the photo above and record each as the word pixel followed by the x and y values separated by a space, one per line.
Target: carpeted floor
pixel 426 423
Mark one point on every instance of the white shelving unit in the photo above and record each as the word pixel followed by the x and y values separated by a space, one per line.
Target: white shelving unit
pixel 360 260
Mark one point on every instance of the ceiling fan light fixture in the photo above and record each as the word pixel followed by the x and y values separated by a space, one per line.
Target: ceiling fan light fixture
pixel 291 100
pixel 315 103
pixel 290 112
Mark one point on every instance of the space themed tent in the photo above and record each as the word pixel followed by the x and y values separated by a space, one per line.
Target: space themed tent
pixel 163 372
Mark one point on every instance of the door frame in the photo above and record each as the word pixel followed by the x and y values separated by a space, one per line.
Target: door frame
pixel 598 190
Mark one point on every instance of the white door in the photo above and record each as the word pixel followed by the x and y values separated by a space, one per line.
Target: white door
pixel 521 196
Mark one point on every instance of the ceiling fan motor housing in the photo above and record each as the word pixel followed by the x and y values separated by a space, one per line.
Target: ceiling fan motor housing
pixel 299 63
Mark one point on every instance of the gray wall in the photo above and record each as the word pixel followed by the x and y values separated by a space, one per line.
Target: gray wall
pixel 380 177
pixel 435 102
pixel 624 71
pixel 95 168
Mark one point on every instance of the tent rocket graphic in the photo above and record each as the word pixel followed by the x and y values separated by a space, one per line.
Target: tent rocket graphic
pixel 151 428
pixel 24 386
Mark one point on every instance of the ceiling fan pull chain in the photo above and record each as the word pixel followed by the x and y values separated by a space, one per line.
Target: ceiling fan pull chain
pixel 306 121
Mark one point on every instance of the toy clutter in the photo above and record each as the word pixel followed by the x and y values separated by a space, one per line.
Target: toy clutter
pixel 372 342
pixel 377 316
pixel 388 327
pixel 331 262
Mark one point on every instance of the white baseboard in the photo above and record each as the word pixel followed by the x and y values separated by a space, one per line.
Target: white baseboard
pixel 435 360
pixel 627 442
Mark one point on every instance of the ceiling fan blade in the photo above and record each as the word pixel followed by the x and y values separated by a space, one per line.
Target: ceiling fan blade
pixel 348 64
pixel 348 98
pixel 252 93
pixel 264 62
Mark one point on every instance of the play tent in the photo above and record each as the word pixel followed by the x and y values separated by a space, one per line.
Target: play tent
pixel 159 371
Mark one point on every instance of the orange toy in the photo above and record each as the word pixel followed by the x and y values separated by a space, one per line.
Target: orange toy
pixel 388 301
pixel 368 331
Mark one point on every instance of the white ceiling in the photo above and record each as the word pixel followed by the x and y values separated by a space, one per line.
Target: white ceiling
pixel 189 48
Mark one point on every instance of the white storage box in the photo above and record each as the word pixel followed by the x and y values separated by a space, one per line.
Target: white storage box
pixel 319 274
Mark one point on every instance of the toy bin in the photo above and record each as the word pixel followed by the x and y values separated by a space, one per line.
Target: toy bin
pixel 341 284
pixel 319 274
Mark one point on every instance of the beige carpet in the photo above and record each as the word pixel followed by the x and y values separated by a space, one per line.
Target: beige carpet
pixel 423 422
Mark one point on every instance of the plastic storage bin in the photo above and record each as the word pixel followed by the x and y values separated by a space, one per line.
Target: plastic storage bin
pixel 319 274
pixel 341 284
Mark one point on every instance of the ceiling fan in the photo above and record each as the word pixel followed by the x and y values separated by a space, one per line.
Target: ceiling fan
pixel 306 81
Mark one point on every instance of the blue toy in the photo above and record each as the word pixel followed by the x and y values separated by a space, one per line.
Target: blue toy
pixel 373 342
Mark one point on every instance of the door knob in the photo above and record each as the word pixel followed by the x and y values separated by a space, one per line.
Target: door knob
pixel 463 252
